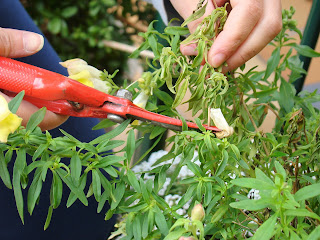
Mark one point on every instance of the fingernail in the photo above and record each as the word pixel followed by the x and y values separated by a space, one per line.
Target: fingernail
pixel 218 59
pixel 32 42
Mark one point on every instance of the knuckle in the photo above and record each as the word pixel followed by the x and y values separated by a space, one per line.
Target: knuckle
pixel 256 9
pixel 275 26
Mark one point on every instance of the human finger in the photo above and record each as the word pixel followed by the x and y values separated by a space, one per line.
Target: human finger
pixel 241 21
pixel 17 43
pixel 26 109
pixel 265 30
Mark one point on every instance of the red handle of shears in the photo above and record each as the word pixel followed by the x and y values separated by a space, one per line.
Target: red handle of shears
pixel 53 90
pixel 46 85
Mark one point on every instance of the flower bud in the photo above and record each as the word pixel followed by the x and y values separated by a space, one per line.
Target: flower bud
pixel 197 213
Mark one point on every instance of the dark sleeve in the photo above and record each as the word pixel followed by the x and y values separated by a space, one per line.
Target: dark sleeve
pixel 78 221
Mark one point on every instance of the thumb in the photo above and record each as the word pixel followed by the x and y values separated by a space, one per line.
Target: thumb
pixel 18 43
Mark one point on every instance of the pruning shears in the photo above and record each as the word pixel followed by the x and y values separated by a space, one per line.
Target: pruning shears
pixel 65 96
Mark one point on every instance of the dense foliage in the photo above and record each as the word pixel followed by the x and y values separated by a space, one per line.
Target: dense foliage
pixel 280 169
pixel 78 29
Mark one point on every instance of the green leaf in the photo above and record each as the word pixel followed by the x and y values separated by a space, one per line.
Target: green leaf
pixel 173 30
pixel 219 213
pixel 48 219
pixel 56 190
pixel 161 222
pixel 137 227
pixel 181 93
pixel 301 213
pixel 305 50
pixel 315 234
pixel 280 169
pixel 14 104
pixel 34 191
pixel 69 11
pixel 266 230
pixel 199 13
pixel 272 63
pixel 131 144
pixel 54 25
pixel 307 192
pixel 118 194
pixel 18 168
pixel 133 180
pixel 252 183
pixel 250 205
pixel 75 189
pixel 75 167
pixel 105 123
pixel 286 98
pixel 96 184
pixel 36 119
pixel 113 133
pixel 223 163
pixel 4 173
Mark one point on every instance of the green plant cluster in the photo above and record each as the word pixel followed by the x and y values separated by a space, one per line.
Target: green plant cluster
pixel 283 165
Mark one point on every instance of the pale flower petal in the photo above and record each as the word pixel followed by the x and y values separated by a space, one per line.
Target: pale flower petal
pixel 221 123
pixel 141 100
pixel 4 110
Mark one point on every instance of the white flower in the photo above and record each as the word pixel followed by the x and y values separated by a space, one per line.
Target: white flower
pixel 9 122
pixel 141 100
pixel 254 194
pixel 221 123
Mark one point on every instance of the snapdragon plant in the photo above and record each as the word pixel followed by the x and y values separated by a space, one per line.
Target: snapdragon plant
pixel 251 184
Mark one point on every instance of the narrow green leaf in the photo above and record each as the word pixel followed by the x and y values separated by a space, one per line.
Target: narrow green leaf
pixel 315 234
pixel 280 169
pixel 266 230
pixel 199 13
pixel 4 173
pixel 133 180
pixel 96 184
pixel 223 163
pixel 250 205
pixel 137 228
pixel 113 133
pixel 118 194
pixel 56 190
pixel 181 93
pixel 15 102
pixel 161 222
pixel 219 213
pixel 76 190
pixel 48 219
pixel 18 168
pixel 272 63
pixel 105 123
pixel 34 191
pixel 75 167
pixel 36 119
pixel 307 192
pixel 305 50
pixel 301 213
pixel 252 183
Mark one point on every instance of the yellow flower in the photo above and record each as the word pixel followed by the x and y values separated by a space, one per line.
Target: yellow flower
pixel 9 122
pixel 79 70
pixel 83 77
